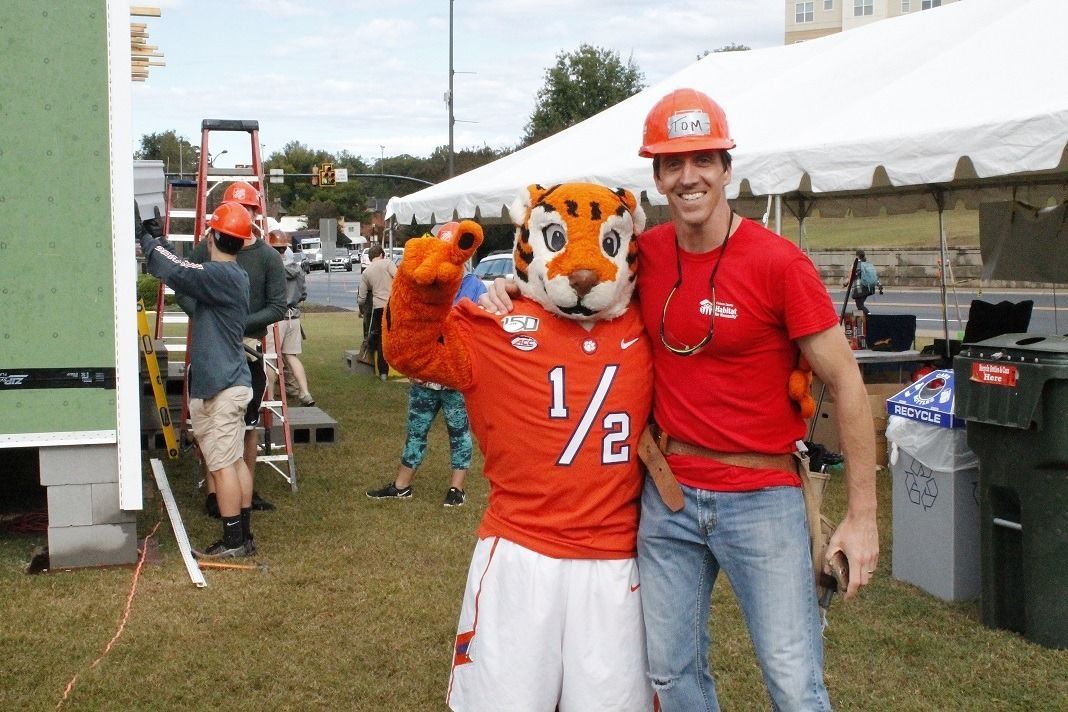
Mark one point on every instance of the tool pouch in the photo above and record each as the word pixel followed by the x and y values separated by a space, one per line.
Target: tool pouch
pixel 820 529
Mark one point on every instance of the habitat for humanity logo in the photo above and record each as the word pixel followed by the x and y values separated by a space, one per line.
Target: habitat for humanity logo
pixel 720 309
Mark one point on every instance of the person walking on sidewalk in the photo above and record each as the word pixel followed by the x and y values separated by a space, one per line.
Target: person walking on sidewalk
pixel 865 282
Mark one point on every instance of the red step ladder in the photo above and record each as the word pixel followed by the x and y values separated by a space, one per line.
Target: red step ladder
pixel 209 178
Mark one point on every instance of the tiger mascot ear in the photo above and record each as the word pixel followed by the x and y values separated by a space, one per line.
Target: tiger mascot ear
pixel 575 248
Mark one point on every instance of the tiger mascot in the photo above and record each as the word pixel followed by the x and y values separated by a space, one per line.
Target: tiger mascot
pixel 557 393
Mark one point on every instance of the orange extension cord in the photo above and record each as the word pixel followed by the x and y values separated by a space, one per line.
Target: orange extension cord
pixel 125 615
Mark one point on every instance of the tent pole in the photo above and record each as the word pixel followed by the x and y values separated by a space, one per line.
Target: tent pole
pixel 940 200
pixel 778 214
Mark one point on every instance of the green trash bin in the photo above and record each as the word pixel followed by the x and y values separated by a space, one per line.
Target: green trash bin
pixel 1013 392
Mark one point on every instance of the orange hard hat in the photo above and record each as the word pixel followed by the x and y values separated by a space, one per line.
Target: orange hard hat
pixel 232 219
pixel 447 232
pixel 685 120
pixel 278 238
pixel 243 193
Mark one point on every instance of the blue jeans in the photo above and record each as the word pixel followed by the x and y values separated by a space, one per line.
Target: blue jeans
pixel 760 541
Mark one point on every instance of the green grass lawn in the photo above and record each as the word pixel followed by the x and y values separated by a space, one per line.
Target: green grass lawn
pixel 912 230
pixel 357 607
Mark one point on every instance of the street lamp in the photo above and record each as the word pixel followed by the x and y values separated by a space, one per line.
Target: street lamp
pixel 211 158
pixel 381 158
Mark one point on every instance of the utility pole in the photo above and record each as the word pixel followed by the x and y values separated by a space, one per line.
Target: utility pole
pixel 448 100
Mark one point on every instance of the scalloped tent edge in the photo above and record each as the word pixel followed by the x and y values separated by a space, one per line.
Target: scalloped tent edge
pixel 960 103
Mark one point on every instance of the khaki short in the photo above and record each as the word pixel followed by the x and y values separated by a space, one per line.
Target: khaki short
pixel 219 425
pixel 289 333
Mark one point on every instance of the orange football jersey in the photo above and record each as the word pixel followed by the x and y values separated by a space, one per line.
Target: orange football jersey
pixel 557 411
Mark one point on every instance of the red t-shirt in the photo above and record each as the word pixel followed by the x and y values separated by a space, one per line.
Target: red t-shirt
pixel 732 396
pixel 557 411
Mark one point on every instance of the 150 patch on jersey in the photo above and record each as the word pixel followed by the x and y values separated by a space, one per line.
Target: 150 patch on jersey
pixel 516 323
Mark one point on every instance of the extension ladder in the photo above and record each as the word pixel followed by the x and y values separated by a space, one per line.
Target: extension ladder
pixel 208 179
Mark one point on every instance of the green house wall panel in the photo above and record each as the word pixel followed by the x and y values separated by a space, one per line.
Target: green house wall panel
pixel 56 259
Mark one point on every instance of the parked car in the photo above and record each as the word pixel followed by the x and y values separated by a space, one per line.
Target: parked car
pixel 494 265
pixel 339 262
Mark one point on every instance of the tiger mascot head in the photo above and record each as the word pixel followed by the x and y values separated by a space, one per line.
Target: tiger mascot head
pixel 575 248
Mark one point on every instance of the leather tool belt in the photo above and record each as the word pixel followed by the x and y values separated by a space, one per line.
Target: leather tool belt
pixel 655 444
pixel 672 446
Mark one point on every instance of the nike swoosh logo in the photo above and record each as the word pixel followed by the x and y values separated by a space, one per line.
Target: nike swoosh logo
pixel 624 344
pixel 635 587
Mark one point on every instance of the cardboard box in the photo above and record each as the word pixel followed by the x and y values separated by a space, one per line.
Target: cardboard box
pixel 826 430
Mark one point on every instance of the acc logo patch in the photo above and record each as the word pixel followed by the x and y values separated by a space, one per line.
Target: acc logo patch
pixel 515 323
pixel 524 343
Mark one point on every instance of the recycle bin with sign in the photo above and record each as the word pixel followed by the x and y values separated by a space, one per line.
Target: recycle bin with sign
pixel 935 491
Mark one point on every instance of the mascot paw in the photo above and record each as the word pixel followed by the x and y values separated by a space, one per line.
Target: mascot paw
pixel 439 261
pixel 800 387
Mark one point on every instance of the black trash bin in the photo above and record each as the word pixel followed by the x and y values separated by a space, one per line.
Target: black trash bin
pixel 1013 392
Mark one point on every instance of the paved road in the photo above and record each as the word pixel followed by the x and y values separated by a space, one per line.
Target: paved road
pixel 926 305
pixel 336 289
pixel 339 289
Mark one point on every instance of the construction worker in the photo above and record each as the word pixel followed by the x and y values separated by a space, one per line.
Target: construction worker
pixel 220 385
pixel 289 332
pixel 720 394
pixel 267 304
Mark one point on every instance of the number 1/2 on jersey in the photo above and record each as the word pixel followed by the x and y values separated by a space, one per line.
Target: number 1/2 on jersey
pixel 614 447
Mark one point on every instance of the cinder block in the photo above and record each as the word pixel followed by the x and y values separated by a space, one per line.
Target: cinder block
pixel 309 426
pixel 105 502
pixel 354 365
pixel 152 440
pixel 79 464
pixel 71 505
pixel 94 545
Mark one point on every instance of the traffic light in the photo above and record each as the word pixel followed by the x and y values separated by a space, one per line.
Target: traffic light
pixel 326 174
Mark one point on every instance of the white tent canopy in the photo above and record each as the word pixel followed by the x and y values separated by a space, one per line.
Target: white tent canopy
pixel 966 101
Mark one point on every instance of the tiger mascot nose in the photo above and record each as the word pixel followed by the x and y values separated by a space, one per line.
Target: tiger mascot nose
pixel 582 281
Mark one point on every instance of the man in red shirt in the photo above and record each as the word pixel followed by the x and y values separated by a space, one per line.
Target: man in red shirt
pixel 730 306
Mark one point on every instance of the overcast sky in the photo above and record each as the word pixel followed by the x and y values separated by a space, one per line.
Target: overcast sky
pixel 369 76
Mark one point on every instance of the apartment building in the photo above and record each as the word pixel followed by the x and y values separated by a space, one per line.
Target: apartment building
pixel 809 19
